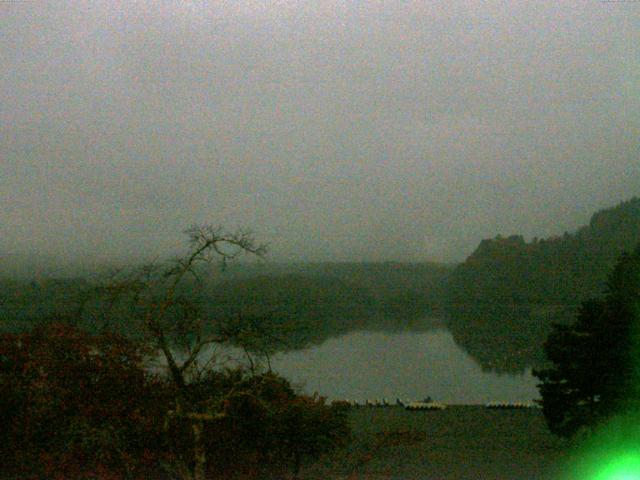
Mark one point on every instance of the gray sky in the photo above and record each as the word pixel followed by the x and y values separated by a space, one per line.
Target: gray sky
pixel 336 130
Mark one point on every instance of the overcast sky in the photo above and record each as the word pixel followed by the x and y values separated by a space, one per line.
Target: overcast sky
pixel 336 130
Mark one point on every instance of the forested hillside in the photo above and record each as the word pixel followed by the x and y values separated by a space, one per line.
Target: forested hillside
pixel 393 287
pixel 307 303
pixel 502 300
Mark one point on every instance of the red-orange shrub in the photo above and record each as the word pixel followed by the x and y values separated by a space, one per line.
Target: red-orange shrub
pixel 76 405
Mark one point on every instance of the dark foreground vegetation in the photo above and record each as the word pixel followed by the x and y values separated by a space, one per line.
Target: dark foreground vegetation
pixel 77 406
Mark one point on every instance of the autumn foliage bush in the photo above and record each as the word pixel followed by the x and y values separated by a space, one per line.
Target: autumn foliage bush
pixel 265 429
pixel 75 405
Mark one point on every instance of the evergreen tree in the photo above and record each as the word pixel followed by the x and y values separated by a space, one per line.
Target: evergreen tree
pixel 596 368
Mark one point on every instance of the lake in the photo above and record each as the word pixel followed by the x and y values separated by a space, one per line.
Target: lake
pixel 410 365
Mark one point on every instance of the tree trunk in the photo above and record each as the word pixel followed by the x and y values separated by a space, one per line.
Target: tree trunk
pixel 296 465
pixel 200 453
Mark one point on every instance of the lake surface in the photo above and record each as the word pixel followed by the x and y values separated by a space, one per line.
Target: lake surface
pixel 408 364
pixel 372 365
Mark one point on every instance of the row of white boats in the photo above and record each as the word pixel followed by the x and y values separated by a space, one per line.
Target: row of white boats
pixel 428 404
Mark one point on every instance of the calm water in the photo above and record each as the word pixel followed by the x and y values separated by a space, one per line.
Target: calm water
pixel 410 365
pixel 369 365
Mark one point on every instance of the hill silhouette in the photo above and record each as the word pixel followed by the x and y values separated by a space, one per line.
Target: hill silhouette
pixel 502 300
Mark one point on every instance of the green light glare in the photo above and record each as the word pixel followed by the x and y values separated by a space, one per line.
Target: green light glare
pixel 612 452
pixel 622 467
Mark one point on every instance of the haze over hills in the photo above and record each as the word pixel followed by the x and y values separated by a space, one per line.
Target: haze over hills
pixel 357 131
pixel 499 303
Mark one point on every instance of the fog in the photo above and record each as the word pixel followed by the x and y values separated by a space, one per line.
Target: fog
pixel 336 130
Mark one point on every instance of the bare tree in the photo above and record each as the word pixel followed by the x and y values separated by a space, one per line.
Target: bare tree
pixel 173 324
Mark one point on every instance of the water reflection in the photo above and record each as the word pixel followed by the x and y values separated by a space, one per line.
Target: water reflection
pixel 407 364
pixel 302 310
pixel 367 365
pixel 505 338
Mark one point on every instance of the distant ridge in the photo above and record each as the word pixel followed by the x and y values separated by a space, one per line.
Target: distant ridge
pixel 562 269
pixel 502 299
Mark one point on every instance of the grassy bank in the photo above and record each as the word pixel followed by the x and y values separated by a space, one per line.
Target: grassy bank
pixel 461 442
